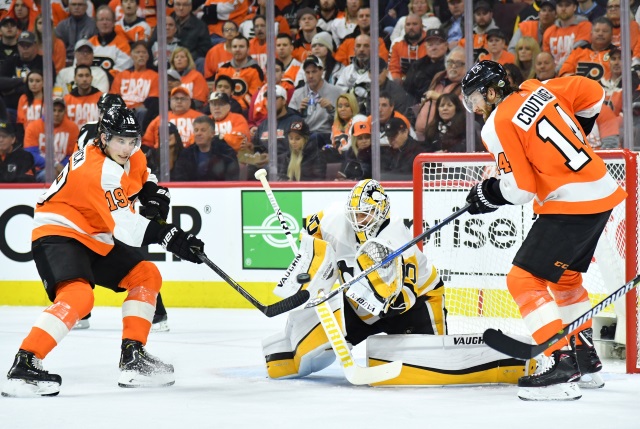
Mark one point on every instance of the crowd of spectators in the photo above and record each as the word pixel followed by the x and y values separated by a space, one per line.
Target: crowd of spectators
pixel 217 60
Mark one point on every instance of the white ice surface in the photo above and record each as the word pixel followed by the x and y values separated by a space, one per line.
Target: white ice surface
pixel 221 383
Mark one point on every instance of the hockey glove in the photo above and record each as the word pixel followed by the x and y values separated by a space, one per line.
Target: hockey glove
pixel 178 242
pixel 484 197
pixel 155 201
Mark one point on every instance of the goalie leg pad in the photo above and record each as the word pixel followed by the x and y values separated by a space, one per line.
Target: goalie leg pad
pixel 435 360
pixel 303 348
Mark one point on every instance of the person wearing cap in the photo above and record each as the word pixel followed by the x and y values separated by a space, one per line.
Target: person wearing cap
pixel 224 83
pixel 568 32
pixel 82 101
pixel 342 26
pixel 230 127
pixel 411 47
pixel 592 60
pixel 305 161
pixel 78 25
pixel 421 8
pixel 483 22
pixel 174 80
pixel 16 164
pixel 346 50
pixel 14 70
pixel 421 72
pixel 83 56
pixel 65 133
pixel 357 158
pixel 221 52
pixel 534 28
pixel 110 48
pixel 397 158
pixel 180 113
pixel 210 158
pixel 316 100
pixel 307 28
pixel 321 47
pixel 8 38
pixel 496 43
pixel 244 70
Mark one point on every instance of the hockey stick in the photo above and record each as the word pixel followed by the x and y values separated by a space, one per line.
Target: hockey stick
pixel 280 307
pixel 353 373
pixel 317 301
pixel 503 343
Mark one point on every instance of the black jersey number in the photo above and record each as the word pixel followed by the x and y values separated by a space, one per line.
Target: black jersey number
pixel 576 158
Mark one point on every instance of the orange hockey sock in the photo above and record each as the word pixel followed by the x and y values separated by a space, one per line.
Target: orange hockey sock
pixel 143 283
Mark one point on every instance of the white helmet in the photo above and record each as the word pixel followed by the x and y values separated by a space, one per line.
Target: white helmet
pixel 367 208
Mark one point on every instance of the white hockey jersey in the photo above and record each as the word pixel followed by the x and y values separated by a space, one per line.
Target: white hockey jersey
pixel 421 278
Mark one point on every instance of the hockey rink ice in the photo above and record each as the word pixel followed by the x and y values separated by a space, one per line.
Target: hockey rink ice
pixel 221 382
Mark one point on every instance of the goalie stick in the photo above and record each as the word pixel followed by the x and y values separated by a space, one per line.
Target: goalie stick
pixel 280 307
pixel 319 300
pixel 503 343
pixel 354 373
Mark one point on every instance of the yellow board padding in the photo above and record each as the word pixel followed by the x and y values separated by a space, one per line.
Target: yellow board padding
pixel 418 376
pixel 174 294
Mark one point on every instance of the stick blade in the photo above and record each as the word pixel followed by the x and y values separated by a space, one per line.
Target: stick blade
pixel 286 304
pixel 372 374
pixel 503 343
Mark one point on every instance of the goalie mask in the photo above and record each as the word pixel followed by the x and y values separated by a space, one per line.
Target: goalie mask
pixel 367 208
pixel 118 122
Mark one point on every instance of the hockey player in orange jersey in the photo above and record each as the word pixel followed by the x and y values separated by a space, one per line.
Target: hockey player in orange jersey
pixel 537 135
pixel 84 231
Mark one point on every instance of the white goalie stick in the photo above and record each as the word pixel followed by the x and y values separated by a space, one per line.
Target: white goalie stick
pixel 346 285
pixel 503 343
pixel 354 373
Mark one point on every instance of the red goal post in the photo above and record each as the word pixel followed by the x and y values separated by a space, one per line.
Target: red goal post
pixel 474 253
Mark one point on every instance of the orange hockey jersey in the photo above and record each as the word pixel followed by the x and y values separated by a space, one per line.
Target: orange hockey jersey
pixel 403 54
pixel 542 152
pixel 586 62
pixel 135 87
pixel 88 202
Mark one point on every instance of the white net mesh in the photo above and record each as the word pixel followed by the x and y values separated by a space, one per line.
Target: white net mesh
pixel 474 254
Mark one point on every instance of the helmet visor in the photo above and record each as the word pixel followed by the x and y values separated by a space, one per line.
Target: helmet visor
pixel 474 101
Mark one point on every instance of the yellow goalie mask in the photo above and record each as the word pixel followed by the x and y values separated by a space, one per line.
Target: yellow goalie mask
pixel 367 208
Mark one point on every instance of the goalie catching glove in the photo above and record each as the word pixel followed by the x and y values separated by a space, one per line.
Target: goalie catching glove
pixel 178 242
pixel 155 201
pixel 485 197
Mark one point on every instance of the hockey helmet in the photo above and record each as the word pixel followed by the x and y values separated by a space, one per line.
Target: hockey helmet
pixel 479 79
pixel 367 208
pixel 107 101
pixel 118 121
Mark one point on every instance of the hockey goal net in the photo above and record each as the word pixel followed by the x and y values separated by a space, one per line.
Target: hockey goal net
pixel 474 253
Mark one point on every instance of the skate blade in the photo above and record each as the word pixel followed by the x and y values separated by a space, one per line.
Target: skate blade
pixel 591 381
pixel 132 379
pixel 160 327
pixel 17 388
pixel 82 324
pixel 555 392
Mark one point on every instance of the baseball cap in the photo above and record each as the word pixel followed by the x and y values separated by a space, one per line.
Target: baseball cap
pixel 551 3
pixel 7 128
pixel 360 128
pixel 305 11
pixel 59 101
pixel 8 19
pixel 220 97
pixel 280 92
pixel 300 127
pixel 435 33
pixel 482 5
pixel 496 32
pixel 312 60
pixel 394 126
pixel 27 37
pixel 181 89
pixel 173 74
pixel 82 42
pixel 323 38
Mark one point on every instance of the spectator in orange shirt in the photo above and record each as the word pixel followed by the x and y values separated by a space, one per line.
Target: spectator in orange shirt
pixel 181 115
pixel 410 48
pixel 30 103
pixel 230 127
pixel 346 49
pixel 220 53
pixel 59 50
pixel 307 28
pixel 65 135
pixel 591 60
pixel 182 61
pixel 496 43
pixel 567 33
pixel 258 45
pixel 132 26
pixel 82 101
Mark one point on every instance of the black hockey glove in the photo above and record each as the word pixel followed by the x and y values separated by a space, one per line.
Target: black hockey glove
pixel 485 197
pixel 155 201
pixel 178 242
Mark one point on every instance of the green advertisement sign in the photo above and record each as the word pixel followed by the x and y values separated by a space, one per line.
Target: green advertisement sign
pixel 264 244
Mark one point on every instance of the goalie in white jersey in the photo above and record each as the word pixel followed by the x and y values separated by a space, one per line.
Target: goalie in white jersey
pixel 406 297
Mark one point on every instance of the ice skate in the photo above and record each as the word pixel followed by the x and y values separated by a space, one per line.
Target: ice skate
pixel 27 378
pixel 140 369
pixel 160 323
pixel 554 380
pixel 588 362
pixel 83 323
